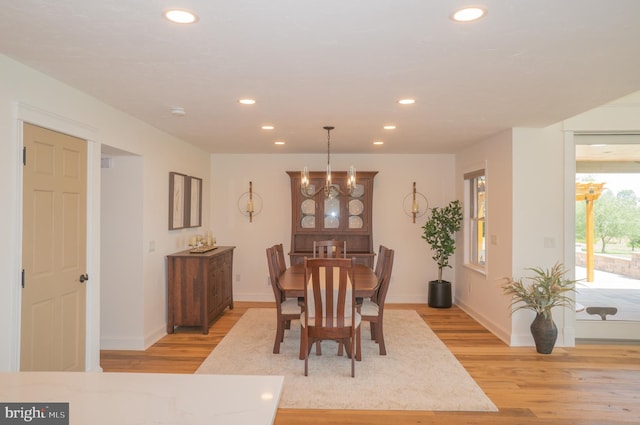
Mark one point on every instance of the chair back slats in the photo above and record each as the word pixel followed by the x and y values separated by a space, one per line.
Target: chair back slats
pixel 330 249
pixel 329 291
pixel 381 293
pixel 282 265
pixel 380 263
pixel 274 273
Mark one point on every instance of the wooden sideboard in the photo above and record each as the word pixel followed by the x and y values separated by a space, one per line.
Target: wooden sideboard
pixel 342 217
pixel 199 287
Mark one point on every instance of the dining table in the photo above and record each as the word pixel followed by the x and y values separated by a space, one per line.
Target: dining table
pixel 292 281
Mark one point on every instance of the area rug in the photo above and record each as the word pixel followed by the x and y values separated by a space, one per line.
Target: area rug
pixel 418 372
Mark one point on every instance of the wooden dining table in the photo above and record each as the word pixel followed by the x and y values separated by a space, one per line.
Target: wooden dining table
pixel 292 281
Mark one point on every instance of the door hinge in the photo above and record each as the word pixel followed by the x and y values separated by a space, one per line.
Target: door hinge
pixel 23 278
pixel 24 155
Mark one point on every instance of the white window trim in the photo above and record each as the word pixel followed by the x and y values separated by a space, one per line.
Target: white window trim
pixel 483 270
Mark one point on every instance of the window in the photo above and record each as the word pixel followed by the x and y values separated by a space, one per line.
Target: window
pixel 475 218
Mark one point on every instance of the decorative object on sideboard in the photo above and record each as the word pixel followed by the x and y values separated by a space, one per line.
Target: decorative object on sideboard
pixel 330 190
pixel 202 243
pixel 250 203
pixel 415 204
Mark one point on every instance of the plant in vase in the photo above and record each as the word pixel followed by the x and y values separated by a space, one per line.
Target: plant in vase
pixel 438 231
pixel 547 288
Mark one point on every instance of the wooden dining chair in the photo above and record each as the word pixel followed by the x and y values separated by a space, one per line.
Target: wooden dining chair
pixel 330 307
pixel 372 310
pixel 282 265
pixel 330 249
pixel 286 309
pixel 382 250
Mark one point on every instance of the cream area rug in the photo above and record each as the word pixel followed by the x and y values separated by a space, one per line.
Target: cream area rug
pixel 418 372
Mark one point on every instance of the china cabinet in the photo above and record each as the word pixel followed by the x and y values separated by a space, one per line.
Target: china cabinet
pixel 341 216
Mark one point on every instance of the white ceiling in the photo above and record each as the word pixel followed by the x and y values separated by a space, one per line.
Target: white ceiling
pixel 528 63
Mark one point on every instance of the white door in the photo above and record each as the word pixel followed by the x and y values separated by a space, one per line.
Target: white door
pixel 54 251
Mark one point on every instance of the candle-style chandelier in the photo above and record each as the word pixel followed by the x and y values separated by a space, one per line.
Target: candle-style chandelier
pixel 330 190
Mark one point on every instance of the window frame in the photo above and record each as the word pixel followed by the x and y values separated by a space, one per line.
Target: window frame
pixel 475 221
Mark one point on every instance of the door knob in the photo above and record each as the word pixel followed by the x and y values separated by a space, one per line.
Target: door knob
pixel 84 277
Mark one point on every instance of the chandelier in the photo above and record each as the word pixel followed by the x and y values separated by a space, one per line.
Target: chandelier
pixel 330 190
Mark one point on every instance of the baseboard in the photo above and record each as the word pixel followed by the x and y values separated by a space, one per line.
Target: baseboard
pixel 154 336
pixel 489 325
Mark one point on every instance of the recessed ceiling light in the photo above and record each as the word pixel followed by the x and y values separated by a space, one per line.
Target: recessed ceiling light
pixel 378 142
pixel 267 127
pixel 247 101
pixel 279 142
pixel 407 101
pixel 389 127
pixel 180 16
pixel 469 13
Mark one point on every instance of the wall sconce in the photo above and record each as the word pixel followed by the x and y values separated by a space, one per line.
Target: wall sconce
pixel 250 203
pixel 415 204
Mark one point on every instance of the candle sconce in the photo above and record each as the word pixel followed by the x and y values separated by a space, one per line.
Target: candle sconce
pixel 250 203
pixel 415 204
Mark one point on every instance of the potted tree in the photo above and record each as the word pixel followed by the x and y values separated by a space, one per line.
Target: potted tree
pixel 438 232
pixel 547 288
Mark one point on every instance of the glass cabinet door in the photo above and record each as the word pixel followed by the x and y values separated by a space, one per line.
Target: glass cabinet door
pixel 356 208
pixel 308 210
pixel 332 210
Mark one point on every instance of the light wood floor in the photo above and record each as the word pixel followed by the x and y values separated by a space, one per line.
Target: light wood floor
pixel 589 384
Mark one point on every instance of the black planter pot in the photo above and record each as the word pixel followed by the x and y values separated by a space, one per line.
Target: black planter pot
pixel 439 294
pixel 545 333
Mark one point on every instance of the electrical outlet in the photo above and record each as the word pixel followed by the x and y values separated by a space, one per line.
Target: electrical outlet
pixel 268 281
pixel 237 278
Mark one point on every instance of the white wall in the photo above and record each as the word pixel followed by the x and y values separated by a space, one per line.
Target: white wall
pixel 526 213
pixel 479 294
pixel 413 266
pixel 121 299
pixel 34 97
pixel 539 240
pixel 619 116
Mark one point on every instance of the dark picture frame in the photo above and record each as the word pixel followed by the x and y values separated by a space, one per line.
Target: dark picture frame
pixel 178 189
pixel 194 202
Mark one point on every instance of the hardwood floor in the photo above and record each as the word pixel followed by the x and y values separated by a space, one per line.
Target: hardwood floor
pixel 589 384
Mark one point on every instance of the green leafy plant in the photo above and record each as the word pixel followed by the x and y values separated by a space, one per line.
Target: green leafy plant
pixel 547 288
pixel 439 230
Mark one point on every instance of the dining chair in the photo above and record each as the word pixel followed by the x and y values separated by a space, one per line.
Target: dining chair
pixel 286 309
pixel 282 265
pixel 380 262
pixel 330 249
pixel 330 307
pixel 372 310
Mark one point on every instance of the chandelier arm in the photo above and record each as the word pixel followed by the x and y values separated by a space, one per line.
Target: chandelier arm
pixel 308 194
